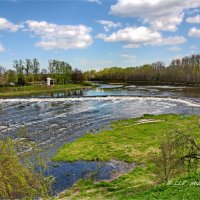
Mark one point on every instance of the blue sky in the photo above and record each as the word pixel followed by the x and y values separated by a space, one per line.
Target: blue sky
pixel 98 33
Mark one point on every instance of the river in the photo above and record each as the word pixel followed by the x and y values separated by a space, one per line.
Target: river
pixel 55 119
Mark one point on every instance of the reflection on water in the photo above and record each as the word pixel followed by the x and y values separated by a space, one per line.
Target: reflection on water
pixel 135 90
pixel 68 173
pixel 128 90
pixel 52 122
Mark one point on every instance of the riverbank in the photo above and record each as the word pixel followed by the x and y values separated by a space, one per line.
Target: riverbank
pixel 39 89
pixel 132 141
pixel 147 83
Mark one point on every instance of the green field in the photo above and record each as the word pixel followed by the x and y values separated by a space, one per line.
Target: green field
pixel 132 140
pixel 38 89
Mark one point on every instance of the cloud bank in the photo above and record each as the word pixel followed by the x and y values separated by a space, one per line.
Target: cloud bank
pixel 159 14
pixel 133 37
pixel 53 36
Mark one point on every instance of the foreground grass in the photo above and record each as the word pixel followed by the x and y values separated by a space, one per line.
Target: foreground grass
pixel 128 187
pixel 131 140
pixel 37 89
pixel 178 189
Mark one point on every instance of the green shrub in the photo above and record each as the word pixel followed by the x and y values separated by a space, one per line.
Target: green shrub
pixel 19 180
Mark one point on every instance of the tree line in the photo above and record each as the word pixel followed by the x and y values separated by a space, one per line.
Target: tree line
pixel 180 71
pixel 29 71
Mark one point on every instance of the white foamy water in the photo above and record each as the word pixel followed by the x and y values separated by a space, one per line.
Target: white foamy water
pixel 109 98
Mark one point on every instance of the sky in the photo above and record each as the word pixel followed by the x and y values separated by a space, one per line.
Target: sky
pixel 93 34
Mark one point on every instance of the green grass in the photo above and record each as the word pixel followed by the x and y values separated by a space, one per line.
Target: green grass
pixel 179 189
pixel 128 141
pixel 123 187
pixel 37 89
pixel 135 186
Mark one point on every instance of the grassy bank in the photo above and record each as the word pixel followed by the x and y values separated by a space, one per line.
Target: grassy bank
pixel 132 140
pixel 38 89
pixel 134 186
pixel 129 140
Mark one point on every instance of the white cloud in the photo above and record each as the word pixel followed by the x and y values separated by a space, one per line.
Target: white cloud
pixel 9 26
pixel 194 32
pixel 95 1
pixel 175 40
pixel 193 20
pixel 160 14
pixel 133 37
pixel 132 46
pixel 167 24
pixel 107 25
pixel 175 49
pixel 53 36
pixel 2 49
pixel 127 58
pixel 6 25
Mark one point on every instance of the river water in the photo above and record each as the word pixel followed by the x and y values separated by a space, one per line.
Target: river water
pixel 55 119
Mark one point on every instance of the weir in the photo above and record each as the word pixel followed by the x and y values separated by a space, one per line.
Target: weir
pixel 188 102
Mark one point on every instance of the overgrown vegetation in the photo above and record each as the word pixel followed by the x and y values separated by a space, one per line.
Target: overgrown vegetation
pixel 180 71
pixel 166 145
pixel 18 180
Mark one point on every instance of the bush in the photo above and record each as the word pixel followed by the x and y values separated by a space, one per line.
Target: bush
pixel 179 154
pixel 19 180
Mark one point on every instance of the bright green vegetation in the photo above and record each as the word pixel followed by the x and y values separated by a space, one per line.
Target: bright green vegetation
pixel 129 140
pixel 182 188
pixel 132 140
pixel 18 180
pixel 133 186
pixel 37 89
pixel 123 187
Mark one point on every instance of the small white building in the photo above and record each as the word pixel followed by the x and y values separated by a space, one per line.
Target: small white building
pixel 50 81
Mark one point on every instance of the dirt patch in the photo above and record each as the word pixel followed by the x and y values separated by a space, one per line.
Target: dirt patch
pixel 146 121
pixel 120 168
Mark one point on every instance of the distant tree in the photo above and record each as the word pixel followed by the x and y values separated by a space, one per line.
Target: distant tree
pixel 60 71
pixel 180 71
pixel 11 76
pixel 89 75
pixel 2 76
pixel 36 68
pixel 28 66
pixel 19 67
pixel 77 76
pixel 44 74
